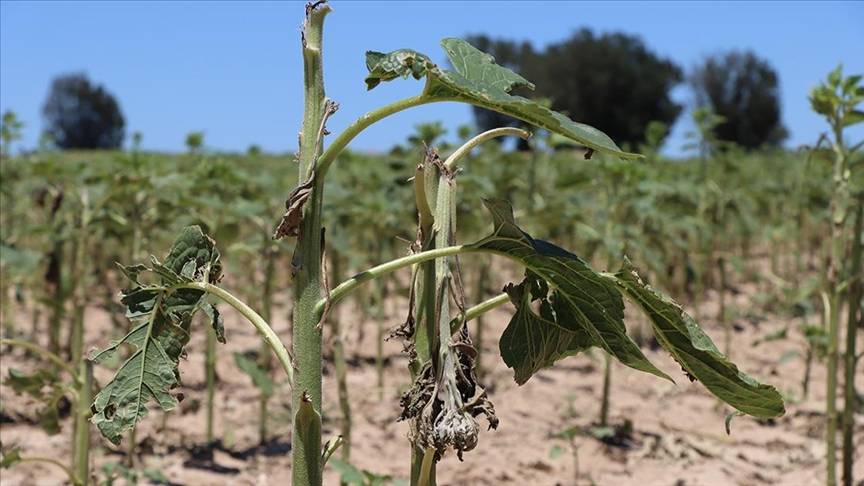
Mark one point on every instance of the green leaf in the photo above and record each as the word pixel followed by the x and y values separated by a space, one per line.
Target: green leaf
pixel 348 473
pixel 835 76
pixel 260 377
pixel 583 301
pixel 532 342
pixel 161 315
pixel 679 334
pixel 854 117
pixel 478 80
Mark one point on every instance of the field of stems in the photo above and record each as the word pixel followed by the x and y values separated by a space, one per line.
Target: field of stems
pixel 422 317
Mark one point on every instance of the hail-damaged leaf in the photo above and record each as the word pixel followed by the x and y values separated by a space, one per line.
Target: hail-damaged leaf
pixel 583 301
pixel 260 378
pixel 401 63
pixel 682 337
pixel 535 341
pixel 161 314
pixel 478 80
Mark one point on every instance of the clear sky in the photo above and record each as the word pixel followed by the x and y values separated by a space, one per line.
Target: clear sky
pixel 234 71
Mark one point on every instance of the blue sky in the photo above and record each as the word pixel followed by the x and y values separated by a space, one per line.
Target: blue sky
pixel 233 70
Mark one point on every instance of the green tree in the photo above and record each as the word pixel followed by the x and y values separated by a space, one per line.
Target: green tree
pixel 194 142
pixel 612 79
pixel 744 90
pixel 82 115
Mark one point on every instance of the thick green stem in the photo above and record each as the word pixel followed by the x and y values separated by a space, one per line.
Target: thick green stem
pixel 306 263
pixel 81 444
pixel 854 318
pixel 834 276
pixel 81 272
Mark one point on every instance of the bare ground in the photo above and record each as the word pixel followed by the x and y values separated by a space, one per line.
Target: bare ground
pixel 678 433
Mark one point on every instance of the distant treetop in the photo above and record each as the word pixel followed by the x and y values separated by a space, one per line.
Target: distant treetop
pixel 82 115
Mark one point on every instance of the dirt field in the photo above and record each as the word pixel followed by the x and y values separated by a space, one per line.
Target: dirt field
pixel 678 435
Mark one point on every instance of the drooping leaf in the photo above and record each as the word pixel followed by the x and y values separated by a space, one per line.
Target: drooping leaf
pixel 260 378
pixel 679 335
pixel 532 342
pixel 582 300
pixel 478 80
pixel 161 314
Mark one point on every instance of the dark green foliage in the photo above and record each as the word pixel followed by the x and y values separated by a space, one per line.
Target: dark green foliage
pixel 82 115
pixel 745 91
pixel 612 79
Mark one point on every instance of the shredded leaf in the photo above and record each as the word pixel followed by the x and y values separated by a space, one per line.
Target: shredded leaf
pixel 161 314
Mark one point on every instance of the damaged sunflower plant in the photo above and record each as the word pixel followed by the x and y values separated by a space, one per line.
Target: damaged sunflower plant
pixel 562 305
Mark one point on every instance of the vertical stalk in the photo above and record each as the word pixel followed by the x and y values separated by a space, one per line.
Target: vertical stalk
pixel 210 374
pixel 483 274
pixel 380 315
pixel 607 384
pixel 808 364
pixel 55 321
pixel 306 455
pixel 341 369
pixel 265 357
pixel 81 445
pixel 849 395
pixel 81 272
pixel 838 217
pixel 721 311
pixel 81 427
pixel 6 324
